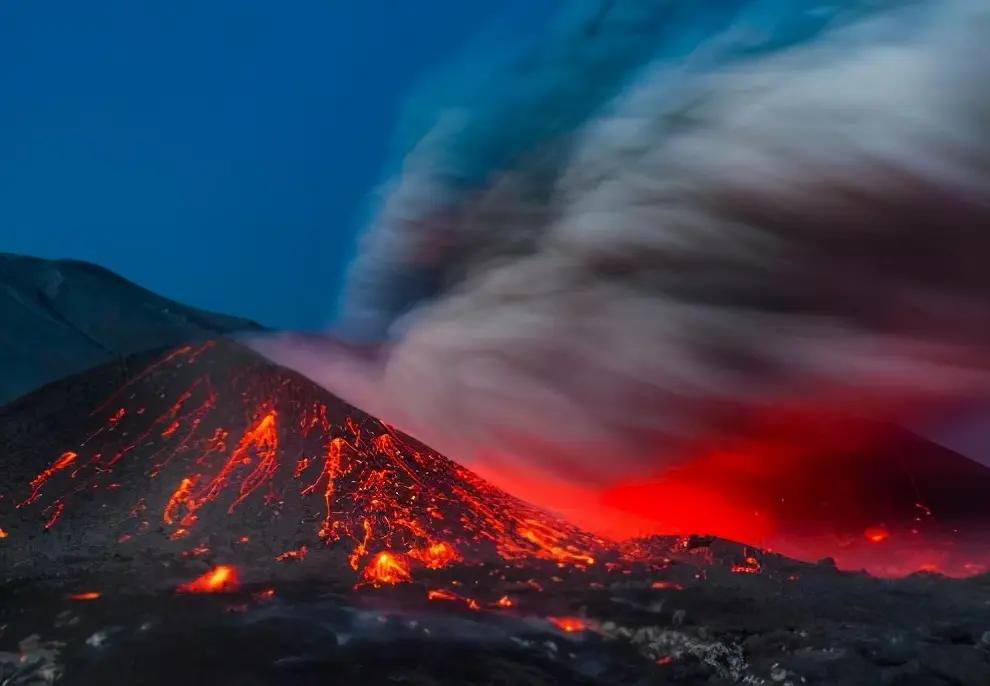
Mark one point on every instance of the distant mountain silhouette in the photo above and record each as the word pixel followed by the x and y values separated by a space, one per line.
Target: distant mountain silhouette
pixel 63 316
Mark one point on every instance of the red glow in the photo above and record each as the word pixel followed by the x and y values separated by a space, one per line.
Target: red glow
pixel 221 579
pixel 387 569
pixel 568 624
pixel 61 463
pixel 436 556
pixel 876 534
pixel 449 596
pixel 750 566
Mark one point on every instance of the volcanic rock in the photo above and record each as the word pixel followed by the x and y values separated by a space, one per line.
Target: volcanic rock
pixel 63 316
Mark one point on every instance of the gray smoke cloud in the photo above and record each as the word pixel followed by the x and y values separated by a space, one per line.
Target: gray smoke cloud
pixel 774 234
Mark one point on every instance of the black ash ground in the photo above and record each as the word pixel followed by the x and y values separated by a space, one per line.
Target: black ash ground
pixel 699 621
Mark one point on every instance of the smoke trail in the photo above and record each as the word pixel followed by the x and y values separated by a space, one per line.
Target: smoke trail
pixel 663 229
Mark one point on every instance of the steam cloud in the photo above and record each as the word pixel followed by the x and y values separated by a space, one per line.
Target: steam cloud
pixel 664 227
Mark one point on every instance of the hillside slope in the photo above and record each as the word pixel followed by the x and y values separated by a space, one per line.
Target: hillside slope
pixel 63 316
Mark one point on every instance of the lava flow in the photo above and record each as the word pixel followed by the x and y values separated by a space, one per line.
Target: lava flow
pixel 211 449
pixel 210 455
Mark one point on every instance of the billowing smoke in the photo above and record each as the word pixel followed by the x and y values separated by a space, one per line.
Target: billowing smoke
pixel 670 226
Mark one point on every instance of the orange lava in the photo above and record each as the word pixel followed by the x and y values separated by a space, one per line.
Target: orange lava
pixel 876 534
pixel 61 463
pixel 237 439
pixel 221 579
pixel 298 554
pixel 568 624
pixel 387 569
pixel 436 556
pixel 750 566
pixel 440 594
pixel 91 595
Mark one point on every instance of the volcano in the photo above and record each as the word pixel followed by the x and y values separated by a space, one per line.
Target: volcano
pixel 210 454
pixel 201 502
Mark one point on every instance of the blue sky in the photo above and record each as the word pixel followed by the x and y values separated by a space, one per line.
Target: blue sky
pixel 216 152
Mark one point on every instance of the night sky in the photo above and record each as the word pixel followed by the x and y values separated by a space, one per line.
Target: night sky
pixel 215 152
pixel 220 152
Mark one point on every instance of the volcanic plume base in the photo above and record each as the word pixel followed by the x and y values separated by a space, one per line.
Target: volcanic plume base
pixel 205 489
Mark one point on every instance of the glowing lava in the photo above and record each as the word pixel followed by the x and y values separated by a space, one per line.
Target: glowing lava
pixel 219 580
pixel 386 569
pixel 568 624
pixel 212 448
pixel 211 451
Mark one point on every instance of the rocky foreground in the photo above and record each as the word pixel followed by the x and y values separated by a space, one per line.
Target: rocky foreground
pixel 718 614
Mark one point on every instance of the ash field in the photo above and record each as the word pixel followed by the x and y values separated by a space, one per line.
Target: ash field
pixel 198 513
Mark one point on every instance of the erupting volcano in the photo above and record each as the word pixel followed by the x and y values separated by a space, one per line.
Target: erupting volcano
pixel 209 450
pixel 274 511
pixel 208 455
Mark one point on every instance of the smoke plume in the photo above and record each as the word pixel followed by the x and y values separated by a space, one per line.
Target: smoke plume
pixel 663 229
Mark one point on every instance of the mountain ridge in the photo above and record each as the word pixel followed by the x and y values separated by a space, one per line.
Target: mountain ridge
pixel 63 316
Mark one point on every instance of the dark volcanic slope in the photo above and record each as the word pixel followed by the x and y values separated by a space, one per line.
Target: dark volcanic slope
pixel 63 316
pixel 210 451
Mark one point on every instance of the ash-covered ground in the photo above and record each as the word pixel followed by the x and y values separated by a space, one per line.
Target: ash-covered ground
pixel 201 514
pixel 717 615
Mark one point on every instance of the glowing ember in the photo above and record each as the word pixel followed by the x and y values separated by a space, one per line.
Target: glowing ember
pixel 436 556
pixel 452 597
pixel 876 535
pixel 750 566
pixel 218 580
pixel 62 463
pixel 299 554
pixel 386 569
pixel 91 595
pixel 568 624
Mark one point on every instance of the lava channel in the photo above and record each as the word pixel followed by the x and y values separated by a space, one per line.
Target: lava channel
pixel 210 455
